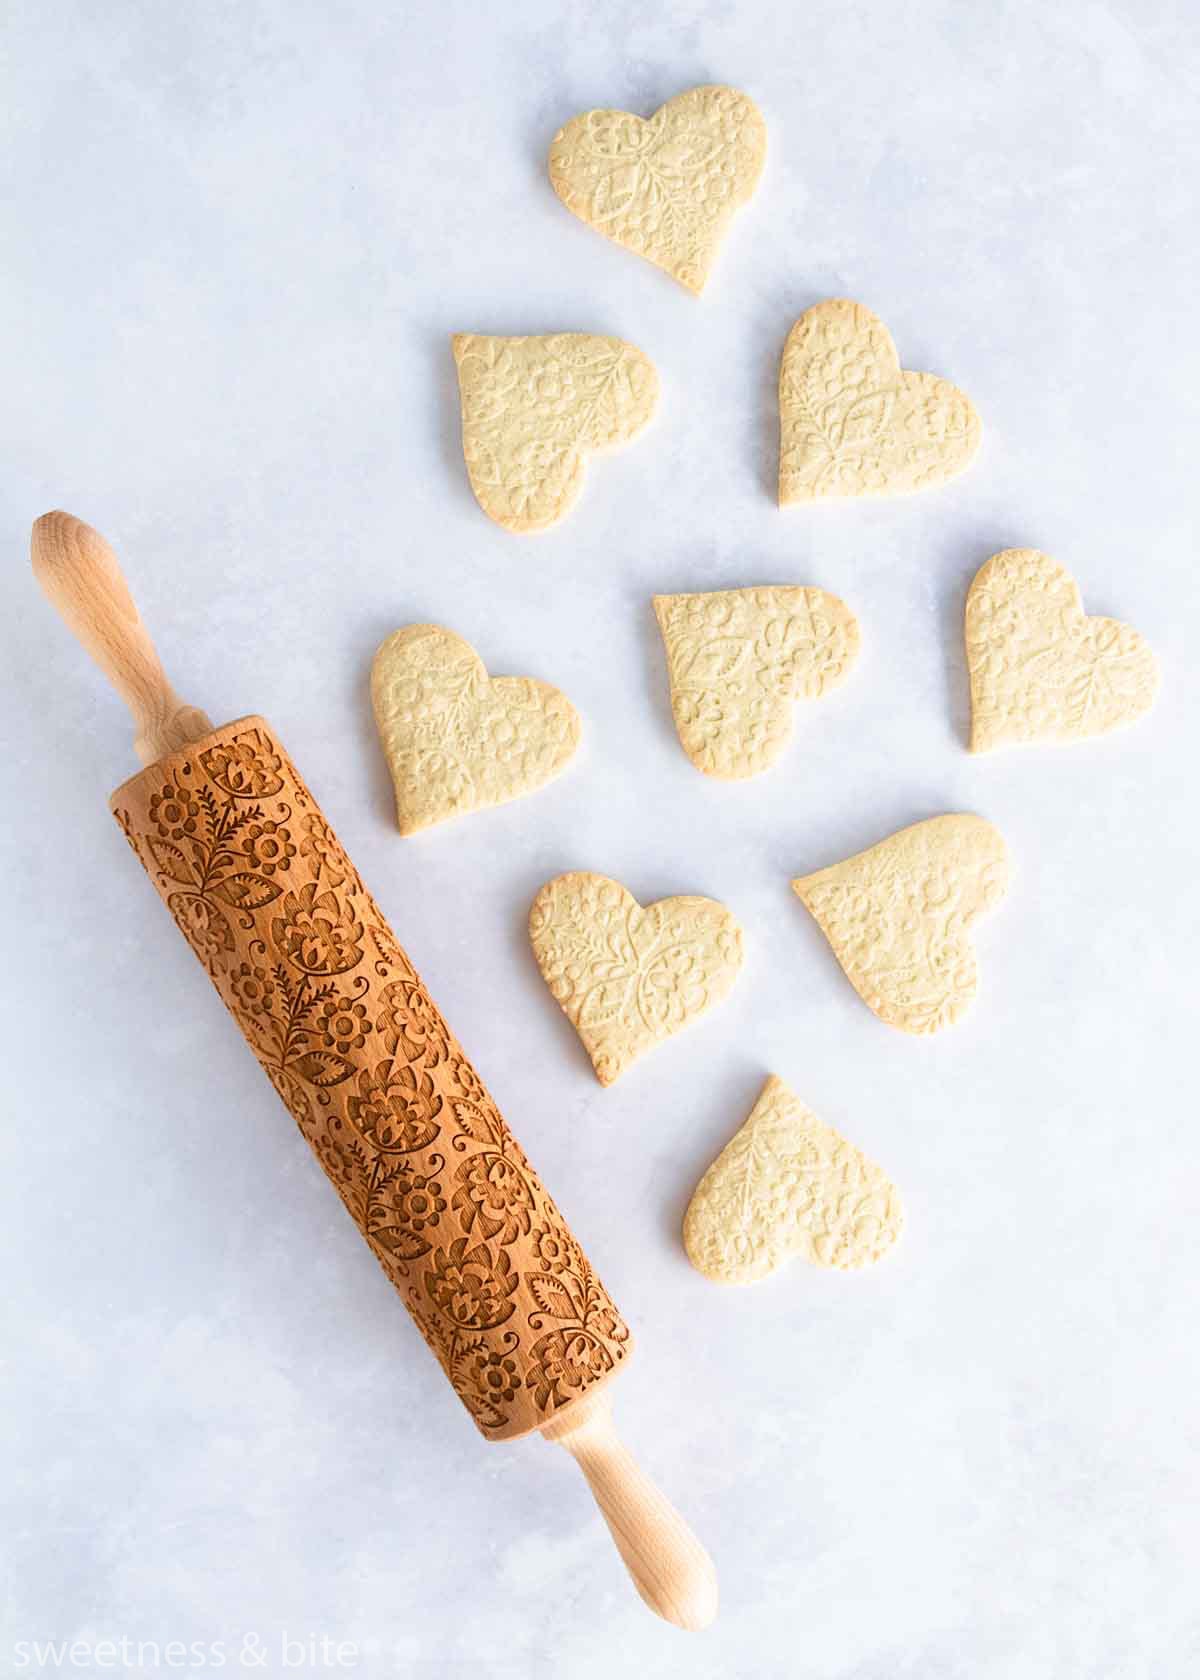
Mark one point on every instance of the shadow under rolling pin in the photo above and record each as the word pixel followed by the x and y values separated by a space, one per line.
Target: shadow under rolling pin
pixel 260 887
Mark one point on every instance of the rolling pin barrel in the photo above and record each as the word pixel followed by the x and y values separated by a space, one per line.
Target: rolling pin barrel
pixel 262 890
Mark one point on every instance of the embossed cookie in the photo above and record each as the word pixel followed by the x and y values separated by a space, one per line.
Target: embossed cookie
pixel 628 977
pixel 1041 669
pixel 457 740
pixel 533 409
pixel 853 423
pixel 788 1184
pixel 667 186
pixel 738 658
pixel 899 917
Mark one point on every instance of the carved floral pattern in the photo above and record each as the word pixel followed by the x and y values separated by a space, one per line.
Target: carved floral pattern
pixel 786 1184
pixel 1041 669
pixel 853 423
pixel 666 187
pixel 355 1047
pixel 534 408
pixel 457 740
pixel 900 915
pixel 628 976
pixel 738 658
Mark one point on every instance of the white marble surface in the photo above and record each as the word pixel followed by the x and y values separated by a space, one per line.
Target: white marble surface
pixel 237 236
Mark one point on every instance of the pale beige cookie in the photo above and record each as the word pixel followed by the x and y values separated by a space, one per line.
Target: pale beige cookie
pixel 1041 670
pixel 852 423
pixel 789 1184
pixel 738 658
pixel 628 977
pixel 667 186
pixel 534 408
pixel 899 917
pixel 457 740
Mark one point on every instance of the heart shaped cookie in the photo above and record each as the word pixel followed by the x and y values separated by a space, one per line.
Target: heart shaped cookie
pixel 899 917
pixel 628 977
pixel 738 658
pixel 457 740
pixel 534 408
pixel 852 423
pixel 666 187
pixel 787 1184
pixel 1041 669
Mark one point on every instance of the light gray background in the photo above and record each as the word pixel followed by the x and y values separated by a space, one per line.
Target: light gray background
pixel 237 237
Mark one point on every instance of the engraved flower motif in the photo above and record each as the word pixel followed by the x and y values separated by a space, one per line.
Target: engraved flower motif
pixel 471 1286
pixel 565 1361
pixel 493 1376
pixel 553 386
pixel 535 467
pixel 416 1092
pixel 416 1202
pixel 702 712
pixel 322 851
pixel 343 1025
pixel 396 1112
pixel 939 890
pixel 317 932
pixel 551 1249
pixel 492 1188
pixel 174 812
pixel 371 1128
pixel 245 767
pixel 253 990
pixel 410 1025
pixel 268 846
pixel 469 1082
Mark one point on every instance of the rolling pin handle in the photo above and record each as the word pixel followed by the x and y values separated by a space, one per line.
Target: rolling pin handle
pixel 79 575
pixel 670 1568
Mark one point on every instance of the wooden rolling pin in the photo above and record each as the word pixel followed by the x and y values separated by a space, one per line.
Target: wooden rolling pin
pixel 262 891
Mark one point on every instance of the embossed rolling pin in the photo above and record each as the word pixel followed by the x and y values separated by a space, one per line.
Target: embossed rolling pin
pixel 262 891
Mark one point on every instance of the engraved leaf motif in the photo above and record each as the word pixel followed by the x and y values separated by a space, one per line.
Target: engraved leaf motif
pixel 714 661
pixel 626 977
pixel 1081 697
pixel 400 1241
pixel 1040 668
pixel 863 421
pixel 170 860
pixel 666 187
pixel 853 422
pixel 552 1296
pixel 621 398
pixel 615 191
pixel 473 1121
pixel 788 1184
pixel 381 1104
pixel 322 1067
pixel 246 890
pixel 533 408
pixel 456 740
pixel 731 692
pixel 898 917
pixel 479 1126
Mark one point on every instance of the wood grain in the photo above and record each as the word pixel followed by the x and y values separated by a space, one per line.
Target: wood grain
pixel 79 574
pixel 670 1568
pixel 258 884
